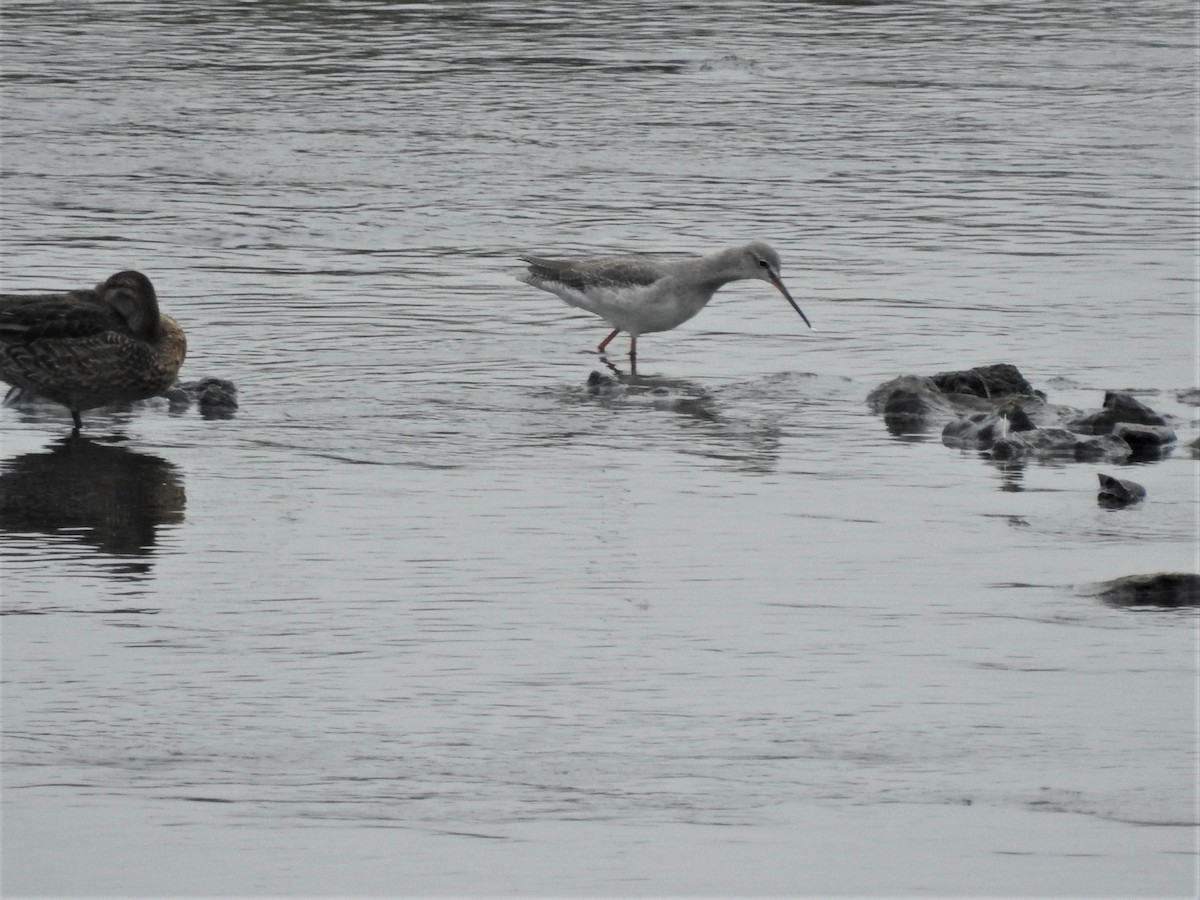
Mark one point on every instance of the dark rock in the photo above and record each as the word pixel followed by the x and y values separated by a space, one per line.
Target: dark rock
pixel 1098 421
pixel 1144 435
pixel 1118 407
pixel 1018 418
pixel 1101 448
pixel 1194 446
pixel 1163 589
pixel 177 398
pixel 993 408
pixel 999 380
pixel 909 396
pixel 1060 443
pixel 603 385
pixel 1129 409
pixel 1146 441
pixel 963 432
pixel 911 402
pixel 983 430
pixel 1117 492
pixel 216 397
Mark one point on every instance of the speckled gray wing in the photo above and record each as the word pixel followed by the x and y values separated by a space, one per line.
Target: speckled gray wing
pixel 599 273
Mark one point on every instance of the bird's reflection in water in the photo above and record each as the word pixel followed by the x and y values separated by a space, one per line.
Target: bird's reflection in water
pixel 907 428
pixel 747 441
pixel 676 394
pixel 1011 474
pixel 105 496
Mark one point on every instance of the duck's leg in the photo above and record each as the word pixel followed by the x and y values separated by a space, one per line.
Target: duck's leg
pixel 78 421
pixel 633 346
pixel 604 343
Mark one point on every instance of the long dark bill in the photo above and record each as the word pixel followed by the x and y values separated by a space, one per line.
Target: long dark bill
pixel 779 284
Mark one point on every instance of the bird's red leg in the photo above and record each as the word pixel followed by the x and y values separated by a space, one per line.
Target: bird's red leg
pixel 604 343
pixel 633 346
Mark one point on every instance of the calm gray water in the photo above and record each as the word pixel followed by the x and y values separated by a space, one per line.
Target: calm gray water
pixel 426 617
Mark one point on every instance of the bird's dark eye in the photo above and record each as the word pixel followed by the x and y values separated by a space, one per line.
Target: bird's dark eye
pixel 764 264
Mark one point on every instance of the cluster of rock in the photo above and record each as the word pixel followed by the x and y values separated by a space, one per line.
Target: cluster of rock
pixel 994 409
pixel 216 398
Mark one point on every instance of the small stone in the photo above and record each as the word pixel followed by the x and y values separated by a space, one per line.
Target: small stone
pixel 1118 492
pixel 907 395
pixel 177 398
pixel 602 385
pixel 216 397
pixel 1163 589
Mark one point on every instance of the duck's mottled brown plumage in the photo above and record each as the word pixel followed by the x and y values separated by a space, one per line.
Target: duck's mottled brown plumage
pixel 89 348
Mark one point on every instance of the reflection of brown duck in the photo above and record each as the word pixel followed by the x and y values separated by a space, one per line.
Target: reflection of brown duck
pixel 90 348
pixel 107 496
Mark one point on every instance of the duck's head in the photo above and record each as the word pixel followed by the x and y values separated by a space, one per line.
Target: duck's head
pixel 132 295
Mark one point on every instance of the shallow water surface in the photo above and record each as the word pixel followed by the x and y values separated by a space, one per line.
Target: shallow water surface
pixel 429 616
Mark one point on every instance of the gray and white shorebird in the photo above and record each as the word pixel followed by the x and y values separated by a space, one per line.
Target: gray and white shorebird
pixel 643 294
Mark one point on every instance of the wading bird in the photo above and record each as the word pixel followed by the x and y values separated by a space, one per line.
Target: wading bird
pixel 642 294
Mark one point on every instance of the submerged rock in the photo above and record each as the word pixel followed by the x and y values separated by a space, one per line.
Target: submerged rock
pixel 1147 441
pixel 216 397
pixel 1162 589
pixel 1060 443
pixel 1117 492
pixel 1118 407
pixel 1102 448
pixel 995 409
pixel 985 429
pixel 997 380
pixel 954 394
pixel 671 394
pixel 909 397
pixel 603 385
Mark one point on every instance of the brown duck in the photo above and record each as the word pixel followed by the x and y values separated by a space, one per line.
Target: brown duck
pixel 90 348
